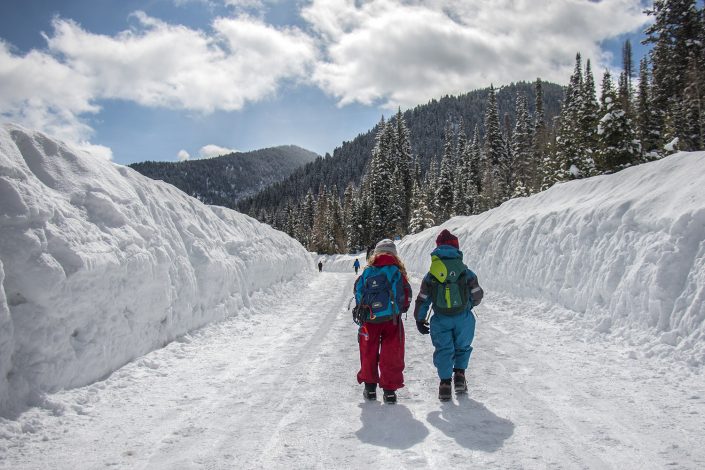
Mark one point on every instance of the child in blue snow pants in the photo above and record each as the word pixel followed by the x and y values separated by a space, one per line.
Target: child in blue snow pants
pixel 452 289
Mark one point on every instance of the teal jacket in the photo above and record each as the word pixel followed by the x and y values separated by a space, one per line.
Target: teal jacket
pixel 423 300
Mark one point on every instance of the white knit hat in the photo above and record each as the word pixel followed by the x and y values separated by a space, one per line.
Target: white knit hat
pixel 386 246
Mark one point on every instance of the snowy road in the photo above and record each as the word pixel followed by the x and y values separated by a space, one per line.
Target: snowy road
pixel 274 387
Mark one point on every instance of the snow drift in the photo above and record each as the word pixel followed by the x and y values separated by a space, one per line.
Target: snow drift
pixel 99 265
pixel 626 252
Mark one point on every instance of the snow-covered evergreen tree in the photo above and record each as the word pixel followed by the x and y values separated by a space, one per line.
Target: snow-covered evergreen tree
pixel 587 122
pixel 647 133
pixel 307 215
pixel 540 140
pixel 429 187
pixel 462 169
pixel 522 144
pixel 319 235
pixel 444 190
pixel 570 156
pixel 421 217
pixel 352 233
pixel 383 186
pixel 404 159
pixel 676 39
pixel 618 147
pixel 493 187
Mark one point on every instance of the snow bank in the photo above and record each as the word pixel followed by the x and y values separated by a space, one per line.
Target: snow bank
pixel 99 265
pixel 626 252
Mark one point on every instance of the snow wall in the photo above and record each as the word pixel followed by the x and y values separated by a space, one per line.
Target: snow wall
pixel 625 251
pixel 99 265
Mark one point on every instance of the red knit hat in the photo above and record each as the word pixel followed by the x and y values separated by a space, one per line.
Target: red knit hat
pixel 447 238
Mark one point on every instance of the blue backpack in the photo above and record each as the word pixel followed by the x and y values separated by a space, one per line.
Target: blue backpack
pixel 379 292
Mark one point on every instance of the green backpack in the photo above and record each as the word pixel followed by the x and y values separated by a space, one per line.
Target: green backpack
pixel 449 287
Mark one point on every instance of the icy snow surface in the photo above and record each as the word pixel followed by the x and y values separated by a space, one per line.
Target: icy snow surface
pixel 624 252
pixel 100 265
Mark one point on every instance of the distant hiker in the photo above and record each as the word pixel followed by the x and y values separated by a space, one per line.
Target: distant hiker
pixel 452 289
pixel 320 266
pixel 382 294
pixel 356 265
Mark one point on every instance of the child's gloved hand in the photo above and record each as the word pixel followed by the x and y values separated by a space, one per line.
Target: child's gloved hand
pixel 423 328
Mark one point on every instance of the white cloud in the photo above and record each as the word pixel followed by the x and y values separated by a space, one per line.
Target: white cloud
pixel 212 151
pixel 40 92
pixel 240 60
pixel 172 66
pixel 183 155
pixel 406 52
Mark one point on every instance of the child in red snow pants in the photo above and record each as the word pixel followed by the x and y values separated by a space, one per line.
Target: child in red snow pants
pixel 382 354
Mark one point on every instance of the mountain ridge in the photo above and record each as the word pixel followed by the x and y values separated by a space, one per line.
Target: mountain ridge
pixel 226 179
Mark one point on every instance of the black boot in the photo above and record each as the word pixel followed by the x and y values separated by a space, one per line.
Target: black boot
pixel 445 390
pixel 389 396
pixel 461 385
pixel 370 391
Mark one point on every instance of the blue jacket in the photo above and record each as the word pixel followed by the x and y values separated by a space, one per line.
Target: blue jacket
pixel 423 300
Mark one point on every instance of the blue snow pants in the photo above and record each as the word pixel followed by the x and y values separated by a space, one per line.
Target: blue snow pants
pixel 452 337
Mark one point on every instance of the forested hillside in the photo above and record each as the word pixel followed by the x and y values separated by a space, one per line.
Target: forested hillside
pixel 426 124
pixel 224 180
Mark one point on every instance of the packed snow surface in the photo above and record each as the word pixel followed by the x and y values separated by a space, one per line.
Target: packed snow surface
pixel 100 265
pixel 624 252
pixel 275 388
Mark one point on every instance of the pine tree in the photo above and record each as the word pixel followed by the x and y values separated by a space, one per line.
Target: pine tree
pixel 492 184
pixel 305 226
pixel 444 190
pixel 587 122
pixel 647 134
pixel 627 65
pixel 383 186
pixel 569 151
pixel 430 186
pixel 475 165
pixel 551 167
pixel 676 39
pixel 335 230
pixel 507 166
pixel 421 217
pixel 476 160
pixel 319 235
pixel 540 141
pixel 617 148
pixel 523 165
pixel 352 233
pixel 625 78
pixel 404 160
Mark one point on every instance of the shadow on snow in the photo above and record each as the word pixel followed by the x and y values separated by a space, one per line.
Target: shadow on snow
pixel 471 424
pixel 391 426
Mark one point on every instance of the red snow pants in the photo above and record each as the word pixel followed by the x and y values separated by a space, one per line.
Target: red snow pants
pixel 382 354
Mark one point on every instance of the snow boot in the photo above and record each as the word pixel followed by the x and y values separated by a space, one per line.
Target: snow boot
pixel 389 397
pixel 445 390
pixel 370 391
pixel 461 385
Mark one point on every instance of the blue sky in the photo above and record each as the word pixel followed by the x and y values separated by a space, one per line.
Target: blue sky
pixel 154 79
